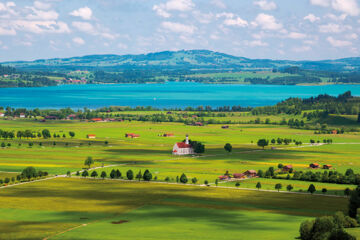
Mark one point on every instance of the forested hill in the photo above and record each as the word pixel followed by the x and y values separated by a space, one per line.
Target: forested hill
pixel 185 60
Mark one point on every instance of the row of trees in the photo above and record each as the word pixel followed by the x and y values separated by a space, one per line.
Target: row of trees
pixel 45 133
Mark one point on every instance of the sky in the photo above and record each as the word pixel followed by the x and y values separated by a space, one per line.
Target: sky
pixel 275 29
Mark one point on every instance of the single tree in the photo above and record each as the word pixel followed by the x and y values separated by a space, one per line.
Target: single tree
pixel 194 180
pixel 29 172
pixel 118 173
pixel 280 166
pixel 228 147
pixel 289 187
pixel 324 190
pixel 139 175
pixel 237 184
pixel 6 180
pixel 94 174
pixel 68 174
pixel 311 189
pixel 354 202
pixel 130 175
pixel 183 178
pixel 113 174
pixel 103 174
pixel 85 173
pixel 206 182
pixel 278 186
pixel 263 143
pixel 147 175
pixel 71 134
pixel 216 182
pixel 258 185
pixel 89 161
pixel 77 173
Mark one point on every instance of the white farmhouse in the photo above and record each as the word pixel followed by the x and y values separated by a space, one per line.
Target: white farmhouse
pixel 183 148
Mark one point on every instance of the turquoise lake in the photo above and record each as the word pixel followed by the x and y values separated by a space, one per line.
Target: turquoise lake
pixel 167 95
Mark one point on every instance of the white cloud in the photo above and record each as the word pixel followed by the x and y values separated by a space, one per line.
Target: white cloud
pixel 301 49
pixel 338 43
pixel 333 28
pixel 78 40
pixel 214 36
pixel 39 26
pixel 84 27
pixel 323 3
pixel 218 3
pixel 203 17
pixel 9 32
pixel 42 15
pixel 178 27
pixel 331 16
pixel 311 17
pixel 85 13
pixel 7 8
pixel 42 5
pixel 349 7
pixel 310 42
pixel 265 5
pixel 173 5
pixel 296 35
pixel 346 6
pixel 267 22
pixel 352 36
pixel 256 43
pixel 232 20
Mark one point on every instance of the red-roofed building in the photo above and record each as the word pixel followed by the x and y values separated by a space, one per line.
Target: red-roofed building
pixel 327 166
pixel 91 136
pixel 238 175
pixel 132 135
pixel 314 165
pixel 183 148
pixel 198 124
pixel 250 173
pixel 168 135
pixel 223 177
pixel 97 119
pixel 2 114
pixel 287 168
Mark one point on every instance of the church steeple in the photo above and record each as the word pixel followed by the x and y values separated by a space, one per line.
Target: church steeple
pixel 187 139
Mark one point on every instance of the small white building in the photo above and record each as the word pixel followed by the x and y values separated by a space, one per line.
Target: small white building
pixel 183 148
pixel 22 115
pixel 2 114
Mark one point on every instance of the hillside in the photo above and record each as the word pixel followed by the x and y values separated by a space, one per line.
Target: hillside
pixel 184 59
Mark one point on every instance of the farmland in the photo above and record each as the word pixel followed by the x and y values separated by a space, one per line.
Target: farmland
pixel 93 208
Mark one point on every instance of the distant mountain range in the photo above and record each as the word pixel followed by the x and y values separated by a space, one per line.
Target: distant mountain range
pixel 185 59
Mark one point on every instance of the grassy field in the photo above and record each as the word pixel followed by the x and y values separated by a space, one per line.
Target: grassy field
pixel 48 208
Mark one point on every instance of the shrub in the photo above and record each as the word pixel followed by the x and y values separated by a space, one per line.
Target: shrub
pixel 306 230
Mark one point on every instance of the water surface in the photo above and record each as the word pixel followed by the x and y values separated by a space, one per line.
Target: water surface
pixel 167 95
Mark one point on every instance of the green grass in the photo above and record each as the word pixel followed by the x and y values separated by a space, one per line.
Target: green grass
pixel 41 209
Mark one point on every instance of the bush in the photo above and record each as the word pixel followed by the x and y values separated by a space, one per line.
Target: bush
pixel 340 234
pixel 306 230
pixel 130 175
pixel 183 178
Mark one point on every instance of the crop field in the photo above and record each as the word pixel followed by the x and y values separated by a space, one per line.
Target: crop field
pixel 69 208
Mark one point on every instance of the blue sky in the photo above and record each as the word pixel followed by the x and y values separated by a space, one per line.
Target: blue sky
pixel 276 29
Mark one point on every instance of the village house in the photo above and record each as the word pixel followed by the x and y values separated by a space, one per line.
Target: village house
pixel 183 148
pixel 198 124
pixel 250 173
pixel 225 126
pixel 168 135
pixel 97 119
pixel 334 132
pixel 314 165
pixel 132 135
pixel 2 114
pixel 71 117
pixel 287 168
pixel 22 115
pixel 91 136
pixel 327 166
pixel 224 177
pixel 239 175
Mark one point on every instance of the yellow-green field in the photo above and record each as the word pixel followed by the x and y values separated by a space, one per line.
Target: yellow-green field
pixel 42 209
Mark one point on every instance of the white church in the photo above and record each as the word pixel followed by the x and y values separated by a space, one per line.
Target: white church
pixel 183 148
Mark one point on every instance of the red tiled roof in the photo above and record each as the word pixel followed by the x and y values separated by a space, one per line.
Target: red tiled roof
pixel 183 145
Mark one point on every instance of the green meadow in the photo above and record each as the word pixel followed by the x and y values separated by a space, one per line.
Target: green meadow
pixel 78 208
pixel 94 208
